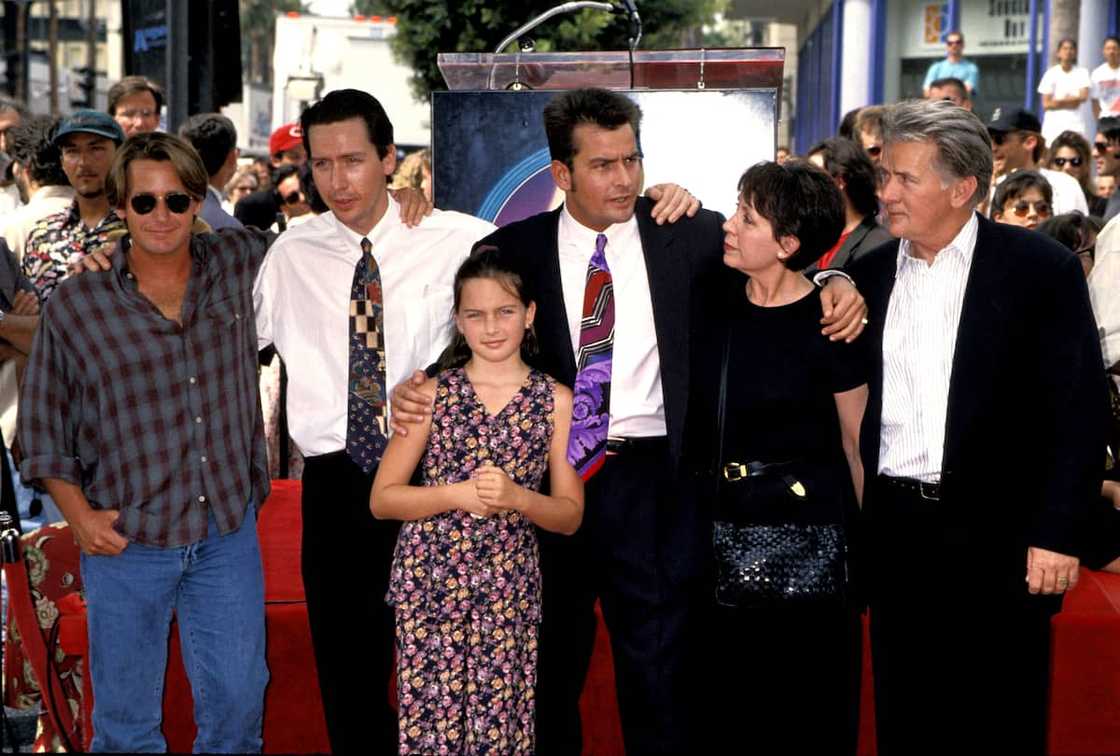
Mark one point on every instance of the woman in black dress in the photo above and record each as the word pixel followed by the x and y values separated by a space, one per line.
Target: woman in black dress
pixel 787 671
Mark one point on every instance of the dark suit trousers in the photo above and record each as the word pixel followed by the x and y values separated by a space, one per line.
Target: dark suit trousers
pixel 960 649
pixel 637 551
pixel 346 555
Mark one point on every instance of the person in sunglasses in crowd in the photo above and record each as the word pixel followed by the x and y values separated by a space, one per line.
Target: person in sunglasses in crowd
pixel 953 65
pixel 293 203
pixel 1025 199
pixel 869 131
pixel 1106 148
pixel 1070 153
pixel 148 436
pixel 261 208
pixel 1017 145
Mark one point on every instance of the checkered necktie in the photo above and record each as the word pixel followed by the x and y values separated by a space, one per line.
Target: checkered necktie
pixel 587 445
pixel 366 432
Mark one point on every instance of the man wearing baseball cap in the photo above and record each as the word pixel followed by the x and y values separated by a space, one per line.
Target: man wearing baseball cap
pixel 285 147
pixel 87 140
pixel 1017 145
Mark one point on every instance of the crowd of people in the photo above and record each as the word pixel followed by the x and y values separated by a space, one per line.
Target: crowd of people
pixel 878 384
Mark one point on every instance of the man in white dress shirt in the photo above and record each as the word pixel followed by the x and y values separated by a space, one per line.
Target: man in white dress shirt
pixel 983 436
pixel 303 303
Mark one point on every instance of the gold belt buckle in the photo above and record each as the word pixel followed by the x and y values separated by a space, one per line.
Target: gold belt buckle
pixel 735 471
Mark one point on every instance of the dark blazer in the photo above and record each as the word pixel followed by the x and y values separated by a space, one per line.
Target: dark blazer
pixel 213 213
pixel 12 278
pixel 1028 405
pixel 865 237
pixel 680 258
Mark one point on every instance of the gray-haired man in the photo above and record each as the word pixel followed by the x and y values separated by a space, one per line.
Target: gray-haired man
pixel 982 441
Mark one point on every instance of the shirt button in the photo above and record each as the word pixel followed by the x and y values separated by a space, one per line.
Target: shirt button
pixel 193 379
pixel 198 420
pixel 203 457
pixel 201 499
pixel 237 316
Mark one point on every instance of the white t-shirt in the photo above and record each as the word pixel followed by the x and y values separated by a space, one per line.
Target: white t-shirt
pixel 1106 89
pixel 1061 84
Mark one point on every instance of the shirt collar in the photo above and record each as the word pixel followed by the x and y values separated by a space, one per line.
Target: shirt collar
pixel 963 244
pixel 389 221
pixel 583 238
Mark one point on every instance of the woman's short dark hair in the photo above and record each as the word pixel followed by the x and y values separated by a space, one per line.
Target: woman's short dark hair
pixel 844 159
pixel 344 104
pixel 1018 184
pixel 487 261
pixel 31 144
pixel 598 107
pixel 797 199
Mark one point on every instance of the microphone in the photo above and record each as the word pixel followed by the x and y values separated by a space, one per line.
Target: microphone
pixel 631 10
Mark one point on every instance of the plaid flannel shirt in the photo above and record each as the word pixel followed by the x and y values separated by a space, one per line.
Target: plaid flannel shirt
pixel 159 420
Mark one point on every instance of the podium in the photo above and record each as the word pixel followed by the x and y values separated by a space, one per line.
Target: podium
pixel 707 116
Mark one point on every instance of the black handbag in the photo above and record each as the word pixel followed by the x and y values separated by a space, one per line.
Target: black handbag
pixel 772 546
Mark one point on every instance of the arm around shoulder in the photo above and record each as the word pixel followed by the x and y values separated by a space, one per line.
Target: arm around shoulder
pixel 393 498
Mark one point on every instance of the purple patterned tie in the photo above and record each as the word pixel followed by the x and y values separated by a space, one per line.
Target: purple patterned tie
pixel 587 445
pixel 366 434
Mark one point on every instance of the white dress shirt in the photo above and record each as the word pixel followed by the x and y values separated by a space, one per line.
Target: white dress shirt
pixel 637 405
pixel 302 301
pixel 919 340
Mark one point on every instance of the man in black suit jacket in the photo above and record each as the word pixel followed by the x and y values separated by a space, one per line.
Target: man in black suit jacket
pixel 982 443
pixel 641 549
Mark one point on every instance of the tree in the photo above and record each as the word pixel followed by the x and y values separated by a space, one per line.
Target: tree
pixel 369 8
pixel 428 27
pixel 258 26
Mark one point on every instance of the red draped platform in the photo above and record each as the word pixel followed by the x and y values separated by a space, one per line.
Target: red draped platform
pixel 1084 715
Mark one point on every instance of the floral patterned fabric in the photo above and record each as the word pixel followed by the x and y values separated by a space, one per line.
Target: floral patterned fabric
pixel 467 589
pixel 52 561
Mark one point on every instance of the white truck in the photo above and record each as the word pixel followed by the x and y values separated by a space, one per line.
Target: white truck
pixel 314 55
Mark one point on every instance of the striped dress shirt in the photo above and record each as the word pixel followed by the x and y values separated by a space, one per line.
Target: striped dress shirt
pixel 919 340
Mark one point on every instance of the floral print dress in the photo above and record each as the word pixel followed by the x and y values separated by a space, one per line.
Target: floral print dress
pixel 467 589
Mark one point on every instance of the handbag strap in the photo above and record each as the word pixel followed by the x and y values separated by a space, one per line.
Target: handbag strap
pixel 721 417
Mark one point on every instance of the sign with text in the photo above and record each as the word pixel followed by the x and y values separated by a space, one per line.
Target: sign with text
pixel 992 27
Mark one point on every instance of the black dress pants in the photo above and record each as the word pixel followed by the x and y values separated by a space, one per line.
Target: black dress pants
pixel 640 551
pixel 960 649
pixel 346 556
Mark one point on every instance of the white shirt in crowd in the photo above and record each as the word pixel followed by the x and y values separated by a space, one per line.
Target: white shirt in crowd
pixel 1106 89
pixel 637 404
pixel 302 302
pixel 1060 84
pixel 1104 290
pixel 16 225
pixel 919 341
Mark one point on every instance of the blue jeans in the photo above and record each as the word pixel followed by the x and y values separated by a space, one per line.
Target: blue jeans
pixel 216 590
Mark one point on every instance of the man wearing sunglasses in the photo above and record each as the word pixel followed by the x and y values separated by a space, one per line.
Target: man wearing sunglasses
pixel 1017 145
pixel 140 415
pixel 954 65
pixel 87 141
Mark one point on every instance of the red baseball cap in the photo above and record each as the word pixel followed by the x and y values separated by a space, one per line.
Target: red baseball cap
pixel 285 138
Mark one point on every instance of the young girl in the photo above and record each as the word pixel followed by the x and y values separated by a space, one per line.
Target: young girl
pixel 465 580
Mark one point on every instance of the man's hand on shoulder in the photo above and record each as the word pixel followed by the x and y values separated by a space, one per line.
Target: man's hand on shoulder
pixel 671 201
pixel 844 310
pixel 96 260
pixel 409 405
pixel 414 205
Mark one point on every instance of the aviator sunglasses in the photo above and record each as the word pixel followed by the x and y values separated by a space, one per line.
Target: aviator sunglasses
pixel 1060 162
pixel 177 202
pixel 1022 208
